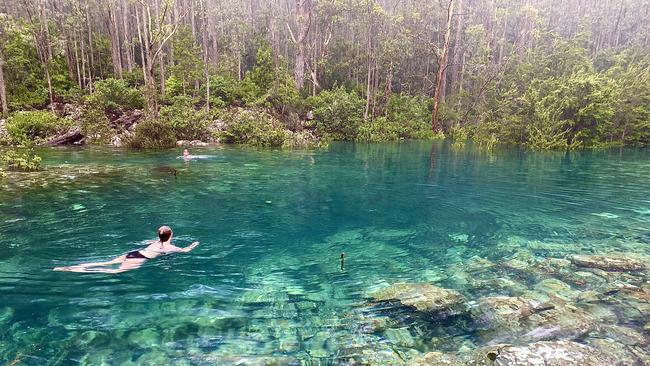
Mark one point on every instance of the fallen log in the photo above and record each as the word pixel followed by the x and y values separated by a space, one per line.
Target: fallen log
pixel 68 138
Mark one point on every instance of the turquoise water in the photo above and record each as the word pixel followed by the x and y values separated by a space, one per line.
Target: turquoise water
pixel 265 285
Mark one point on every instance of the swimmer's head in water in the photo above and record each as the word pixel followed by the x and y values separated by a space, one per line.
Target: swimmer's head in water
pixel 186 152
pixel 164 233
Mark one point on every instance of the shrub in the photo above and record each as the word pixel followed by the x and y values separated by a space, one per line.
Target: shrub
pixel 252 128
pixel 152 135
pixel 95 124
pixel 337 113
pixel 27 127
pixel 21 161
pixel 186 122
pixel 302 140
pixel 224 91
pixel 113 94
pixel 378 130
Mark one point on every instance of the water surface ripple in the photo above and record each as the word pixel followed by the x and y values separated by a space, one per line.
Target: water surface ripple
pixel 265 283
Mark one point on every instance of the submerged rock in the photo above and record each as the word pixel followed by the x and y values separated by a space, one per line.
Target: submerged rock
pixel 504 319
pixel 436 359
pixel 193 143
pixel 625 354
pixel 423 297
pixel 608 263
pixel 556 353
pixel 502 311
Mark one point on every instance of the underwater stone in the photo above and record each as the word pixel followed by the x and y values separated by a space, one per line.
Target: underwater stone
pixel 501 311
pixel 400 336
pixel 554 353
pixel 422 296
pixel 145 338
pixel 6 315
pixel 508 319
pixel 555 287
pixel 625 335
pixel 608 263
pixel 625 355
pixel 436 359
pixel 97 358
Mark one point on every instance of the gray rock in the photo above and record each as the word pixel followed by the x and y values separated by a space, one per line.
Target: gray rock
pixel 624 354
pixel 193 143
pixel 556 353
pixel 608 263
pixel 423 297
pixel 506 319
pixel 436 359
pixel 116 141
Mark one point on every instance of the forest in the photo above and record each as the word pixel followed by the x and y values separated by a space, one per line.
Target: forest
pixel 541 74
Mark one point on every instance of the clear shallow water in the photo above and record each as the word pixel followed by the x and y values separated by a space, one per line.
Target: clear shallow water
pixel 266 283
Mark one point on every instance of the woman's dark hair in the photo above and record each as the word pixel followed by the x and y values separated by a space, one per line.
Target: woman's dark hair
pixel 164 233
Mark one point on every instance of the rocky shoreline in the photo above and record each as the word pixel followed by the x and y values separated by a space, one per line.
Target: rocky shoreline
pixel 585 311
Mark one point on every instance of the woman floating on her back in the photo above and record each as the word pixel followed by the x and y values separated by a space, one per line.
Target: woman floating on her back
pixel 136 258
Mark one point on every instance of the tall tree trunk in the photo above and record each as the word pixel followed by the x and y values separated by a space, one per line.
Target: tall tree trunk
pixel 128 44
pixel 141 40
pixel 45 48
pixel 150 62
pixel 76 58
pixel 368 76
pixel 442 66
pixel 91 68
pixel 458 46
pixel 614 35
pixel 4 110
pixel 114 34
pixel 206 69
pixel 303 22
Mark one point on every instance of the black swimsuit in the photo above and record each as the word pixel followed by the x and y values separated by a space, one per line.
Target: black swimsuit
pixel 136 255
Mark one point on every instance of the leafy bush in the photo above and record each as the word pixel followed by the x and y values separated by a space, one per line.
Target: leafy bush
pixel 337 113
pixel 152 135
pixel 252 128
pixel 302 140
pixel 378 130
pixel 224 91
pixel 27 127
pixel 186 122
pixel 95 124
pixel 21 161
pixel 113 94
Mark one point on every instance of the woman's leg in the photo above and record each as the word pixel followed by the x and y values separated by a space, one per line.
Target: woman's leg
pixel 81 267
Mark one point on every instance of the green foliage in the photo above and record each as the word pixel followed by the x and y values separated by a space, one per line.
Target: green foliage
pixel 412 116
pixel 188 64
pixel 25 161
pixel 152 135
pixel 302 140
pixel 113 94
pixel 263 74
pixel 338 113
pixel 252 128
pixel 186 122
pixel 224 91
pixel 24 76
pixel 95 124
pixel 33 126
pixel 378 130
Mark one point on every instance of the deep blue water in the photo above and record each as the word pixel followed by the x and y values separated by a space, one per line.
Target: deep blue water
pixel 266 280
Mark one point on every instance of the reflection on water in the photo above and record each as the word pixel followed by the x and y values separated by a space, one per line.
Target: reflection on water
pixel 266 284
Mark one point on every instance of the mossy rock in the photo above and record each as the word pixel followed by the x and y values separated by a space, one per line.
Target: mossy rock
pixel 423 297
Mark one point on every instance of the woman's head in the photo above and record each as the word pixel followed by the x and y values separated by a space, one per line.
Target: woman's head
pixel 164 233
pixel 186 152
